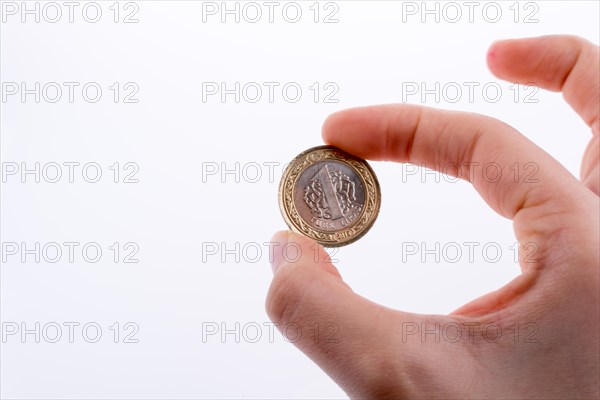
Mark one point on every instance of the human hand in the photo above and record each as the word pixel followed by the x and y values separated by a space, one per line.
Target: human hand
pixel 558 291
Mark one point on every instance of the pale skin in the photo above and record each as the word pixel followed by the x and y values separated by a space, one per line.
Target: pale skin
pixel 558 290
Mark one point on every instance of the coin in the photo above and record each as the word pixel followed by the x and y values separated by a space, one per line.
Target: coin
pixel 329 196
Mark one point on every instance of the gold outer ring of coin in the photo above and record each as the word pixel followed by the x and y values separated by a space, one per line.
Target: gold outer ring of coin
pixel 361 224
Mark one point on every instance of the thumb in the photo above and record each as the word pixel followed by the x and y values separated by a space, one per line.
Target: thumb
pixel 359 344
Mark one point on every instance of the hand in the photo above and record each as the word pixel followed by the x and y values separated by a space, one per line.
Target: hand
pixel 559 291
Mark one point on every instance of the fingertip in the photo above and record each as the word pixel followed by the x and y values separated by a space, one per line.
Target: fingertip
pixel 300 251
pixel 289 245
pixel 350 130
pixel 507 56
pixel 341 122
pixel 331 126
pixel 492 51
pixel 279 239
pixel 293 248
pixel 496 54
pixel 544 60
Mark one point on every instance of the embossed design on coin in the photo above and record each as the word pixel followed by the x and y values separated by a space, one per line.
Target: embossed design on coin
pixel 334 195
pixel 329 196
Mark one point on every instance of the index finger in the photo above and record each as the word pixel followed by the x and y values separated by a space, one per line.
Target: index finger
pixel 452 143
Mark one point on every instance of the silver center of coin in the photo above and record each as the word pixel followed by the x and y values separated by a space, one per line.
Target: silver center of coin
pixel 329 195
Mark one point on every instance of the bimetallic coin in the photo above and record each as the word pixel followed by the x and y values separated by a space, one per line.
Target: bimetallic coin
pixel 329 195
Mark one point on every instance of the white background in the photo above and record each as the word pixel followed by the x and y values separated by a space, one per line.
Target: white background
pixel 178 289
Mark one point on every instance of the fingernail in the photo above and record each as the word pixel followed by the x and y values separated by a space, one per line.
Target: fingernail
pixel 279 240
